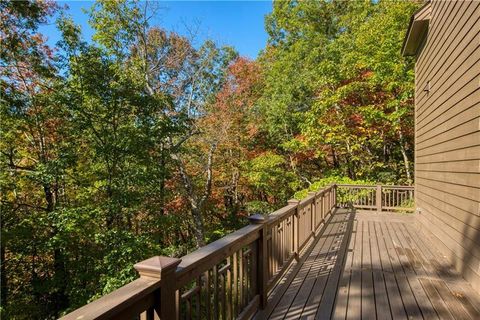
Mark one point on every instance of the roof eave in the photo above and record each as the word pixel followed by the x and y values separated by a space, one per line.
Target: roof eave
pixel 417 30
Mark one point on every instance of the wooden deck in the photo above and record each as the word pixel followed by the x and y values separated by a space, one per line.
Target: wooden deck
pixel 372 266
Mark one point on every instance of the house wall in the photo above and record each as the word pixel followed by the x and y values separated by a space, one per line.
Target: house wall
pixel 447 134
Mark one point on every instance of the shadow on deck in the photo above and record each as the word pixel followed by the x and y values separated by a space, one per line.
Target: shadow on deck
pixel 372 266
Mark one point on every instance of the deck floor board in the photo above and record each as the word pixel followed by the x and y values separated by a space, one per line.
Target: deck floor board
pixel 375 266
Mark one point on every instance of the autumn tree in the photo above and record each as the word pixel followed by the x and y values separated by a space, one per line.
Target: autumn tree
pixel 142 142
pixel 338 97
pixel 231 122
pixel 35 154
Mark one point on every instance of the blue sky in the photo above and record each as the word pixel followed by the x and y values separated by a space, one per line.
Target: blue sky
pixel 236 23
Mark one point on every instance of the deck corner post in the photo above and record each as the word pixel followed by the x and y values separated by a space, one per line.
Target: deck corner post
pixel 262 259
pixel 163 269
pixel 378 198
pixel 296 227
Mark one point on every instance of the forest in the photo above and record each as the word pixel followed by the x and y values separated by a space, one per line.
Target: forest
pixel 143 142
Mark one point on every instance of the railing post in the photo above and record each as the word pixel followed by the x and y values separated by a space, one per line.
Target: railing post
pixel 262 259
pixel 313 208
pixel 379 198
pixel 162 268
pixel 322 207
pixel 296 227
pixel 334 190
pixel 330 200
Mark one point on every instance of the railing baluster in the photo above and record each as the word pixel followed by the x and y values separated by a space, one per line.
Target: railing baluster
pixel 284 241
pixel 274 249
pixel 215 292
pixel 245 279
pixel 189 308
pixel 240 271
pixel 281 246
pixel 379 198
pixel 270 253
pixel 207 294
pixel 312 218
pixel 296 226
pixel 235 283
pixel 254 268
pixel 177 304
pixel 322 209
pixel 248 275
pixel 224 295
pixel 229 289
pixel 199 300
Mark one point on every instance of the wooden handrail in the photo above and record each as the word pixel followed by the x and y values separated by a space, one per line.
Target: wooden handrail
pixel 378 198
pixel 228 278
pixel 371 185
pixel 130 299
pixel 197 262
pixel 280 214
pixel 140 295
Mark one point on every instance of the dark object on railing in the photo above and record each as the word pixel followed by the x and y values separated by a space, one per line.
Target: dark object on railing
pixel 257 218
pixel 231 277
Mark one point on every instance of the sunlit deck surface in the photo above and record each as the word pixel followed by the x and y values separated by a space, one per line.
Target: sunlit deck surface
pixel 372 266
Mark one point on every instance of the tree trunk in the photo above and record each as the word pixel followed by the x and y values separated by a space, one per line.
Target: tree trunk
pixel 334 159
pixel 199 227
pixel 403 150
pixel 350 165
pixel 60 298
pixel 406 161
pixel 197 202
pixel 3 271
pixel 162 182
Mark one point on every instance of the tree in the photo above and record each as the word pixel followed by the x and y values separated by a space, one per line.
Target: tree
pixel 230 121
pixel 34 157
pixel 342 102
pixel 195 159
pixel 140 143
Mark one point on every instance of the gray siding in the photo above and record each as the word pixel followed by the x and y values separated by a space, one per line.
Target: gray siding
pixel 447 134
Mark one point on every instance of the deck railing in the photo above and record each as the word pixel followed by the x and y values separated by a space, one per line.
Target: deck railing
pixel 231 277
pixel 376 197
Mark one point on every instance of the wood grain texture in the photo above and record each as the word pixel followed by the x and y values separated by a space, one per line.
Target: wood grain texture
pixel 375 266
pixel 447 134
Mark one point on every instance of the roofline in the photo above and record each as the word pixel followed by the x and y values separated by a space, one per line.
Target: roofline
pixel 417 25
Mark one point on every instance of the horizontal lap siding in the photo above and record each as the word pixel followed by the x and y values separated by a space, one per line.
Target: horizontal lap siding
pixel 450 123
pixel 457 166
pixel 447 134
pixel 464 192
